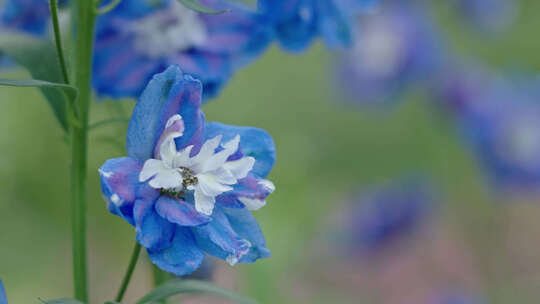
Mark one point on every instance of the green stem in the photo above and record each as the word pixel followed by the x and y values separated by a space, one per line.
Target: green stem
pixel 58 39
pixel 129 272
pixel 84 39
pixel 108 122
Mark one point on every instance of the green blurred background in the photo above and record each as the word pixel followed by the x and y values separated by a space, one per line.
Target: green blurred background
pixel 325 150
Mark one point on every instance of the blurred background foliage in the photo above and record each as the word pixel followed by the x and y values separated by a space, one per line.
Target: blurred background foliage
pixel 327 150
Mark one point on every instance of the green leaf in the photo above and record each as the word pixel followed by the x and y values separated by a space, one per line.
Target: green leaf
pixel 176 287
pixel 70 92
pixel 63 301
pixel 111 302
pixel 39 57
pixel 196 6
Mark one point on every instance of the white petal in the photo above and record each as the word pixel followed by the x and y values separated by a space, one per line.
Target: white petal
pixel 167 151
pixel 217 160
pixel 268 185
pixel 204 204
pixel 252 203
pixel 209 185
pixel 241 167
pixel 208 149
pixel 150 168
pixel 166 179
pixel 182 159
pixel 223 176
pixel 174 128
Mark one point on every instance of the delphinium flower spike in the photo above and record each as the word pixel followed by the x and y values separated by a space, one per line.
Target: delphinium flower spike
pixel 297 23
pixel 189 186
pixel 28 16
pixel 138 39
pixel 498 118
pixel 382 214
pixel 395 49
pixel 490 16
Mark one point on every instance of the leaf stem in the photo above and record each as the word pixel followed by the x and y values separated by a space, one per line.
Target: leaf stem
pixel 58 39
pixel 84 38
pixel 129 272
pixel 107 122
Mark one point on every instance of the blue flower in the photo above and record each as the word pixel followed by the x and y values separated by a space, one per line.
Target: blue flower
pixel 490 16
pixel 139 39
pixel 3 297
pixel 499 121
pixel 385 213
pixel 459 298
pixel 298 22
pixel 28 16
pixel 395 49
pixel 189 186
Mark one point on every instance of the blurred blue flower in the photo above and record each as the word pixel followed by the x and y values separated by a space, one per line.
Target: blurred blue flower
pixel 459 299
pixel 298 22
pixel 388 212
pixel 395 48
pixel 3 297
pixel 490 16
pixel 501 125
pixel 140 38
pixel 29 16
pixel 189 186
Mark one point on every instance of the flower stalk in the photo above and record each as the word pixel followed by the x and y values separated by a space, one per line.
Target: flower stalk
pixel 84 37
pixel 129 272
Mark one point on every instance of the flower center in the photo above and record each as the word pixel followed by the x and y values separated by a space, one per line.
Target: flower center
pixel 188 177
pixel 168 31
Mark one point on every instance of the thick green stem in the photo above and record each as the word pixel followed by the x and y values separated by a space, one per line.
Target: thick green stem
pixel 129 272
pixel 58 39
pixel 84 38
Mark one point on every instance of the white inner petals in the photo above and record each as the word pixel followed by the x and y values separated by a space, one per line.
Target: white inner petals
pixel 168 31
pixel 208 173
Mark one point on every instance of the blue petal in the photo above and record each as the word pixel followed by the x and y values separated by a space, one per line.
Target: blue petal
pixel 153 231
pixel 182 257
pixel 220 240
pixel 254 142
pixel 243 222
pixel 119 183
pixel 248 187
pixel 180 212
pixel 168 93
pixel 3 297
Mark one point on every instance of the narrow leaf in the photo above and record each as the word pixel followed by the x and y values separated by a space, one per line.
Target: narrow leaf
pixel 196 6
pixel 39 57
pixel 70 92
pixel 63 301
pixel 176 287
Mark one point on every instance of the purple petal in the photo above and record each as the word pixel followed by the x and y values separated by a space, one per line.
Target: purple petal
pixel 180 212
pixel 220 240
pixel 167 94
pixel 249 187
pixel 119 179
pixel 254 142
pixel 182 257
pixel 243 222
pixel 153 231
